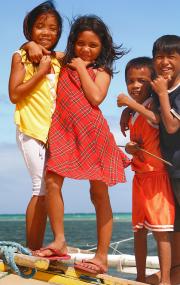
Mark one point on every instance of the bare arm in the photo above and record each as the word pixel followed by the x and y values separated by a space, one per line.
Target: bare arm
pixel 124 100
pixel 35 51
pixel 95 91
pixel 19 89
pixel 172 124
pixel 124 120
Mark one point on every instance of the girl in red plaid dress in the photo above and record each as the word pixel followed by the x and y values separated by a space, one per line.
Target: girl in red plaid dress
pixel 80 143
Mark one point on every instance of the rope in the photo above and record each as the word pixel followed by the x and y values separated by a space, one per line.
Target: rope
pixel 114 245
pixel 7 252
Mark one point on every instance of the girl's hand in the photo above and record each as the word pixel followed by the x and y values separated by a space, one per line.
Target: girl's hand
pixel 35 52
pixel 160 85
pixel 77 62
pixel 45 65
pixel 122 100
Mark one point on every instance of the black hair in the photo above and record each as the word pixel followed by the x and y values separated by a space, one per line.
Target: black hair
pixel 166 44
pixel 43 8
pixel 140 62
pixel 109 53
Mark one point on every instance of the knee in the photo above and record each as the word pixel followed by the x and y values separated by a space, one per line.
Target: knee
pixel 99 198
pixel 51 183
pixel 161 236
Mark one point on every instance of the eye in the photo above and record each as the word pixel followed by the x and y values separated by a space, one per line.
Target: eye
pixel 39 26
pixel 143 81
pixel 79 43
pixel 129 81
pixel 93 45
pixel 172 57
pixel 158 57
pixel 54 29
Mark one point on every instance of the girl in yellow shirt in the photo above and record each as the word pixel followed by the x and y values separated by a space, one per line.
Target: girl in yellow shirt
pixel 33 89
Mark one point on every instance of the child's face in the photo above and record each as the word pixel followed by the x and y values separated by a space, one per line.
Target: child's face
pixel 138 83
pixel 45 30
pixel 168 65
pixel 88 46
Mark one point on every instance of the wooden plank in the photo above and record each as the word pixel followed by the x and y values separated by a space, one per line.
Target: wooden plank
pixel 16 280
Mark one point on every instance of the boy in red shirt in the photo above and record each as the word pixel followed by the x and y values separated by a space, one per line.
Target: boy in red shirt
pixel 152 205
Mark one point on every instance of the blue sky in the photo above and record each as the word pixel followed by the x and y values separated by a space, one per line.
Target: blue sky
pixel 136 24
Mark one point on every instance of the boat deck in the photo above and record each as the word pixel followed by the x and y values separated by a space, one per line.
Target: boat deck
pixel 55 272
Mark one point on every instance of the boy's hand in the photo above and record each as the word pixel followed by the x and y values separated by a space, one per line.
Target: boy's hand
pixel 122 100
pixel 132 148
pixel 160 85
pixel 35 52
pixel 124 120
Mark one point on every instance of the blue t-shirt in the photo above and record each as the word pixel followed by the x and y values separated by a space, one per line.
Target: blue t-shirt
pixel 170 143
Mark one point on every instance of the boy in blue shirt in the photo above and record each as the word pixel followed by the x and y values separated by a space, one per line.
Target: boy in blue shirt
pixel 166 56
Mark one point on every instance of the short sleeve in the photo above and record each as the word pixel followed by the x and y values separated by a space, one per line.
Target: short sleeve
pixel 176 107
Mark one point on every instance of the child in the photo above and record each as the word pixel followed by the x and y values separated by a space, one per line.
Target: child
pixel 33 89
pixel 166 56
pixel 80 143
pixel 152 202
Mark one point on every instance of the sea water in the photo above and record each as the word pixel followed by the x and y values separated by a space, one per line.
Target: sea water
pixel 80 231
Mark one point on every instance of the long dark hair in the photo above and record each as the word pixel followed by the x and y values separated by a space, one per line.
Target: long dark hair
pixel 43 8
pixel 109 53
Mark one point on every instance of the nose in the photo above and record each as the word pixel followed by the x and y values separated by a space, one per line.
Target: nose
pixel 136 85
pixel 45 31
pixel 165 60
pixel 85 48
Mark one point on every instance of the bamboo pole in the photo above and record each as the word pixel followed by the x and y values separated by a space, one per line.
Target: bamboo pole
pixel 31 261
pixel 151 154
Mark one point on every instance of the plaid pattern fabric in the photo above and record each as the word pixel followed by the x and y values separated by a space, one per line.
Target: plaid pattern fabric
pixel 81 145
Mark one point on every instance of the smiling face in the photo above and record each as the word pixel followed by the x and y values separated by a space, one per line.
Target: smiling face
pixel 45 30
pixel 138 83
pixel 168 65
pixel 88 46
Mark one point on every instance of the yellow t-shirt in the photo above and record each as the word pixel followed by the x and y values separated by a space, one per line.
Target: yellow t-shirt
pixel 33 113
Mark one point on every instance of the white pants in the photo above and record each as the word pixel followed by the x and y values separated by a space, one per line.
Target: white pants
pixel 33 152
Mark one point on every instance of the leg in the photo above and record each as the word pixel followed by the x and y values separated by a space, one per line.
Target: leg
pixel 140 248
pixel 164 253
pixel 36 216
pixel 55 209
pixel 33 153
pixel 175 269
pixel 100 199
pixel 175 236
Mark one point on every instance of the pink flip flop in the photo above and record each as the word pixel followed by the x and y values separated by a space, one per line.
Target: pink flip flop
pixel 56 254
pixel 90 267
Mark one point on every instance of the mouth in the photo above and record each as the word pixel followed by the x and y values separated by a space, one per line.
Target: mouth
pixel 135 93
pixel 45 42
pixel 166 70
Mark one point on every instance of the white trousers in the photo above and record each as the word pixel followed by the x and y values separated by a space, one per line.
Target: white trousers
pixel 33 152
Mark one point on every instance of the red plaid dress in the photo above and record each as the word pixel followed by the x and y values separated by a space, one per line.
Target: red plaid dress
pixel 81 145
